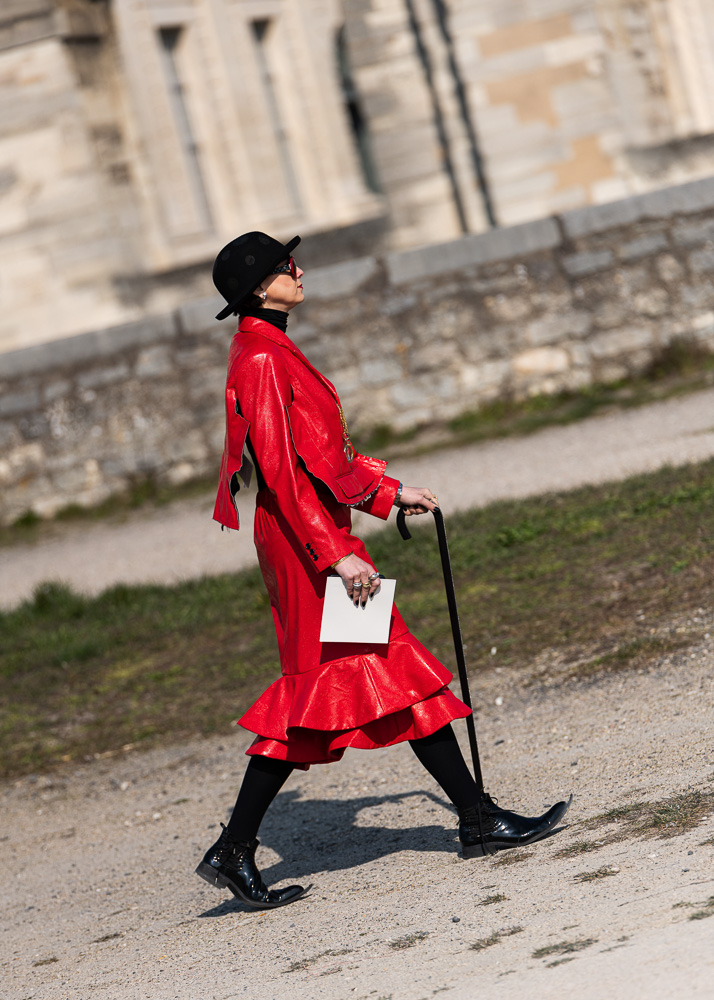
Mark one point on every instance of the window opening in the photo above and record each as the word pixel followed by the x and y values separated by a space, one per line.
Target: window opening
pixel 169 39
pixel 261 33
pixel 354 112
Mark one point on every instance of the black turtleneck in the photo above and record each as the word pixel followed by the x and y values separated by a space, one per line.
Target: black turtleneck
pixel 275 316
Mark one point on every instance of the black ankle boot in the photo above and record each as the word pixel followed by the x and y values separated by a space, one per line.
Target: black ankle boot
pixel 485 829
pixel 230 864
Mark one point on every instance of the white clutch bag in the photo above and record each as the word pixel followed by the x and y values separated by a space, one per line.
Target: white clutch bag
pixel 343 622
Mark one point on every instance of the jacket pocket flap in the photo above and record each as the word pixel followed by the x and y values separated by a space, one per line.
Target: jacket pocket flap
pixel 350 484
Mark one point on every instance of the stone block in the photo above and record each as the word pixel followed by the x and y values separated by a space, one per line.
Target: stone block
pixel 669 269
pixel 56 389
pixel 610 372
pixel 654 302
pixel 541 361
pixel 555 326
pixel 696 196
pixel 338 280
pixel 199 316
pixel 20 401
pixel 485 376
pixel 579 222
pixel 95 378
pixel 588 262
pixel 472 251
pixel 508 307
pixel 701 261
pixel 615 343
pixel 610 312
pixel 643 246
pixel 154 362
pixel 689 234
pixel 697 296
pixel 380 371
pixel 703 322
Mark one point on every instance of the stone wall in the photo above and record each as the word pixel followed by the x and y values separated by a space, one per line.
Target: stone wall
pixel 589 296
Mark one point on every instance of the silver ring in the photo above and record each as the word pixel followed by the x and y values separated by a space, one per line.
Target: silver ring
pixel 374 576
pixel 357 586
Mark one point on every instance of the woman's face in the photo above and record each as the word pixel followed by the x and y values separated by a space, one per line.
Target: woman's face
pixel 283 290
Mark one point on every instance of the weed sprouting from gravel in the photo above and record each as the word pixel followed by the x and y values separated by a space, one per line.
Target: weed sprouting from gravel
pixel 706 911
pixel 564 947
pixel 304 963
pixel 409 940
pixel 494 938
pixel 599 873
pixel 496 897
pixel 579 847
pixel 512 858
pixel 664 818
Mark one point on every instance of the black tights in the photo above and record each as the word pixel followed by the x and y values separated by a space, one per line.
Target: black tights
pixel 264 777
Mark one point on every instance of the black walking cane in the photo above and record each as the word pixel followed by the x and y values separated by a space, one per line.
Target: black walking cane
pixel 455 627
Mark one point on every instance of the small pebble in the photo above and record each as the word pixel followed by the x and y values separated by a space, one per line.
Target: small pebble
pixel 455 920
pixel 690 852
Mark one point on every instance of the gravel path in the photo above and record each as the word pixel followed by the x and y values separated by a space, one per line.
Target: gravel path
pixel 182 542
pixel 99 898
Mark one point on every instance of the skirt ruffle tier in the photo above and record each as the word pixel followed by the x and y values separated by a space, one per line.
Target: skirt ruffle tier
pixel 360 700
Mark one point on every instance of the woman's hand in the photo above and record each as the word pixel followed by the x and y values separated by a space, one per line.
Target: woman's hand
pixel 417 500
pixel 360 579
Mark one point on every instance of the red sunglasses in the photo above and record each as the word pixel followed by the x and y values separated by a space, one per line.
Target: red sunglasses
pixel 289 268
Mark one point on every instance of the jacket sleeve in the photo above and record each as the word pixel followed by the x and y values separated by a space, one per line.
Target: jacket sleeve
pixel 263 389
pixel 380 503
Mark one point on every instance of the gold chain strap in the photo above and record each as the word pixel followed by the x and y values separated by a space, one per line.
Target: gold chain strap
pixel 346 442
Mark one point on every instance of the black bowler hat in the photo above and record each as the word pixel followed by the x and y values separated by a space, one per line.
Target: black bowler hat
pixel 242 264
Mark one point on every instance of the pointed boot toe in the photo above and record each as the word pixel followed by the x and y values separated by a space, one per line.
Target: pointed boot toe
pixel 484 828
pixel 230 864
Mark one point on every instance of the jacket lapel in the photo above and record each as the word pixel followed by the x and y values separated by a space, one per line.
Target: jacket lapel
pixel 251 324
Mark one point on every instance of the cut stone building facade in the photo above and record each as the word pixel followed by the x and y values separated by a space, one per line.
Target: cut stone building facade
pixel 138 136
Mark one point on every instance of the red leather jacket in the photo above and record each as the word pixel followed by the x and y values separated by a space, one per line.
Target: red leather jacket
pixel 293 415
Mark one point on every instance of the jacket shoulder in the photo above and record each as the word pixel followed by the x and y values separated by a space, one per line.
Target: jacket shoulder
pixel 251 354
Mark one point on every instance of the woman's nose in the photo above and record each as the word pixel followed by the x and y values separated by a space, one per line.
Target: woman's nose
pixel 299 272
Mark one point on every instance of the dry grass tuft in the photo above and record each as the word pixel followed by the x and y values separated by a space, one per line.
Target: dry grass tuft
pixel 494 938
pixel 599 873
pixel 564 947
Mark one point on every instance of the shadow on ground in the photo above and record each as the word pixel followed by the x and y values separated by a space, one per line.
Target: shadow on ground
pixel 323 836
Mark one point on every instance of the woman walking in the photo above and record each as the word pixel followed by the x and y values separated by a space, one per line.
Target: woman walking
pixel 334 695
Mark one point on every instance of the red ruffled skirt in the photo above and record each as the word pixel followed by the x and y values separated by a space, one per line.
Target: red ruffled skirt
pixel 336 695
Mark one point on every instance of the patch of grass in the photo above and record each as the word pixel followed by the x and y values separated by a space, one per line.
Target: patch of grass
pixel 107 937
pixel 709 842
pixel 494 938
pixel 579 847
pixel 512 857
pixel 582 579
pixel 497 897
pixel 706 911
pixel 604 872
pixel 408 941
pixel 664 818
pixel 45 961
pixel 564 947
pixel 304 963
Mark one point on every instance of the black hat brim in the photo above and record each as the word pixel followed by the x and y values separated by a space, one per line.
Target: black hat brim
pixel 281 254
